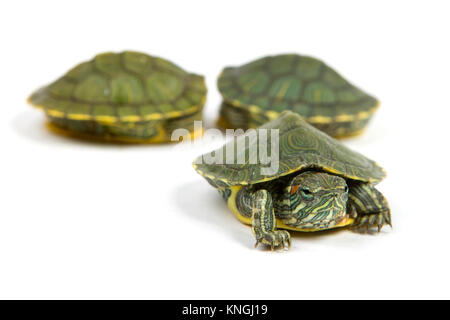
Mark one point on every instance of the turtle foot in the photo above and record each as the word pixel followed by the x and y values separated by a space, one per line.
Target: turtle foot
pixel 275 239
pixel 368 222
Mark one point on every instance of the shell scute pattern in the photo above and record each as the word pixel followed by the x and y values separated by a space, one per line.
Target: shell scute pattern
pixel 127 86
pixel 301 147
pixel 79 72
pixel 292 82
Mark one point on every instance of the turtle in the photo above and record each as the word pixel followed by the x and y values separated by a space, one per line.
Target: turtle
pixel 259 91
pixel 316 183
pixel 126 97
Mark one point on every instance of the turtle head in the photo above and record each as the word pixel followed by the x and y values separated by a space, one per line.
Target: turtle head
pixel 316 201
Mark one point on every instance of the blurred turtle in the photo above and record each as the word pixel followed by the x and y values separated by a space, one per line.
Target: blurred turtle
pixel 259 91
pixel 128 97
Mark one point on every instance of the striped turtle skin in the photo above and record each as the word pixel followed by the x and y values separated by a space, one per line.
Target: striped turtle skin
pixel 318 183
pixel 259 91
pixel 127 97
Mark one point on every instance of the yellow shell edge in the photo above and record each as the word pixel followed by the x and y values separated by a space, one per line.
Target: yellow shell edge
pixel 362 115
pixel 161 138
pixel 111 119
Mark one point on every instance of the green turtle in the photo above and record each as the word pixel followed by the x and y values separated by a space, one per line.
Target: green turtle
pixel 259 91
pixel 127 96
pixel 316 182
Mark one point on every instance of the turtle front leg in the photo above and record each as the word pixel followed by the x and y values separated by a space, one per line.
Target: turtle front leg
pixel 372 208
pixel 264 222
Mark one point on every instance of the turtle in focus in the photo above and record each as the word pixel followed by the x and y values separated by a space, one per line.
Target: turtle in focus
pixel 125 97
pixel 259 91
pixel 315 183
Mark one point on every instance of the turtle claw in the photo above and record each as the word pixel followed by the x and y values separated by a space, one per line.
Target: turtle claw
pixel 365 223
pixel 278 239
pixel 287 245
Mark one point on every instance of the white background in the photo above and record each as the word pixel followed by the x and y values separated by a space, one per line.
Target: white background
pixel 87 220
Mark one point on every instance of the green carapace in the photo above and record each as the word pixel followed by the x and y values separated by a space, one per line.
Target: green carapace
pixel 128 96
pixel 259 91
pixel 316 183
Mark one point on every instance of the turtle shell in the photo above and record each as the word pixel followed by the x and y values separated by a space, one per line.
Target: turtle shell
pixel 302 84
pixel 301 147
pixel 122 87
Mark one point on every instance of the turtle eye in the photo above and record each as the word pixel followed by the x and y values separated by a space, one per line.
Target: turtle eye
pixel 346 189
pixel 306 193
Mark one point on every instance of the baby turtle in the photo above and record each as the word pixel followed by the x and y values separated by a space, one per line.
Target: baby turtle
pixel 259 91
pixel 128 97
pixel 318 183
